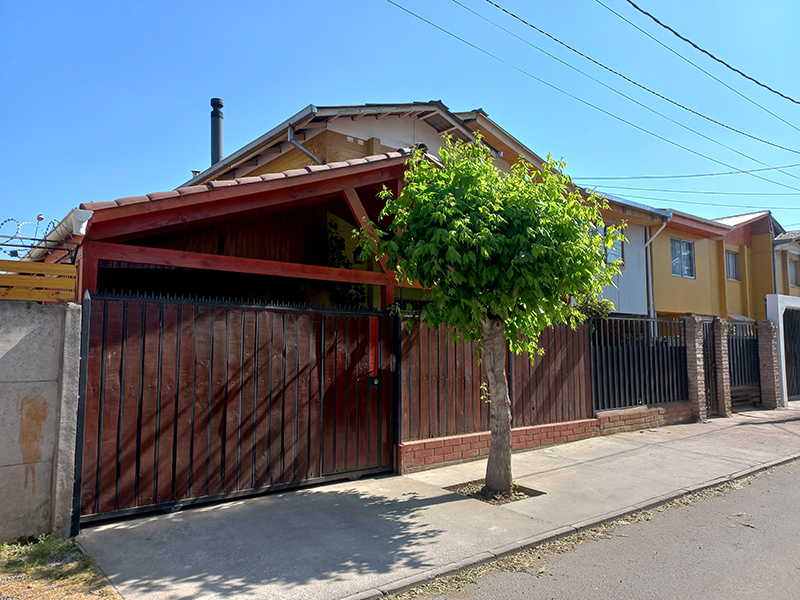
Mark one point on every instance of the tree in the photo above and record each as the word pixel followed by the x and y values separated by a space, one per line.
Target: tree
pixel 500 255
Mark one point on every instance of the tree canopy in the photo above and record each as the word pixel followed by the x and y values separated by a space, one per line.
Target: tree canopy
pixel 484 243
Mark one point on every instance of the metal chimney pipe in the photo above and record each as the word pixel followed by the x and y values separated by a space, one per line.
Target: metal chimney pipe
pixel 216 131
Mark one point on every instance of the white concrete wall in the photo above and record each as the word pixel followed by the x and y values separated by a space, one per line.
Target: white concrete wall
pixel 629 290
pixel 776 306
pixel 39 363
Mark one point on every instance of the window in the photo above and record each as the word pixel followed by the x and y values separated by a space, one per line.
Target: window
pixel 616 252
pixel 682 258
pixel 732 265
pixel 793 272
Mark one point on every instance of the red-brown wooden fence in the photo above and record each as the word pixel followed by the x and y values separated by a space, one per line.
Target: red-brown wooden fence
pixel 440 382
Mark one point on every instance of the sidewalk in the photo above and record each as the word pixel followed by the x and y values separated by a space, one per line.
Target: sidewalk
pixel 372 537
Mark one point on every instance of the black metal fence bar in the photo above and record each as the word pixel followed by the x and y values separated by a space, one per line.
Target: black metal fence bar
pixel 637 361
pixel 743 354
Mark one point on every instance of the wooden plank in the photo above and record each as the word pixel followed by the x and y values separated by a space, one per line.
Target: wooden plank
pixel 234 264
pixel 132 375
pixel 109 434
pixel 36 295
pixel 93 403
pixel 202 402
pixel 35 281
pixel 450 382
pixel 414 397
pixel 405 391
pixel 315 386
pixel 352 348
pixel 342 376
pixel 329 396
pixel 362 392
pixel 424 382
pixel 185 401
pixel 262 397
pixel 303 383
pixel 374 393
pixel 433 393
pixel 24 266
pixel 248 408
pixel 149 403
pixel 387 406
pixel 459 384
pixel 233 399
pixel 276 397
pixel 219 376
pixel 165 479
pixel 291 397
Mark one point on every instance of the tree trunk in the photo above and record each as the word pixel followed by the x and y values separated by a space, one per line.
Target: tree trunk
pixel 498 469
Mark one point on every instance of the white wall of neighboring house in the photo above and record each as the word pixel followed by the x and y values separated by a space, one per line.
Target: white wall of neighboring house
pixel 629 289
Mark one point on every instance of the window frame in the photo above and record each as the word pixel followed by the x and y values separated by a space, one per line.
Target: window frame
pixel 730 254
pixel 682 245
pixel 796 264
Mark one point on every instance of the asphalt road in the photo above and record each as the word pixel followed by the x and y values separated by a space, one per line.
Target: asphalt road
pixel 743 544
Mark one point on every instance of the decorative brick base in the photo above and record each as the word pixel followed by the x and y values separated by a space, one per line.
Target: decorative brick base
pixel 424 454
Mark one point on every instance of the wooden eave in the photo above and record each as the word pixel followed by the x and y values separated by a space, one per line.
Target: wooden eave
pixel 178 210
pixel 697 227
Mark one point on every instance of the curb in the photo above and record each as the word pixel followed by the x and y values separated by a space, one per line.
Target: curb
pixel 406 583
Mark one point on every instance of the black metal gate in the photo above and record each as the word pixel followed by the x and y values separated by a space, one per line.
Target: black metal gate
pixel 194 401
pixel 743 364
pixel 791 342
pixel 710 366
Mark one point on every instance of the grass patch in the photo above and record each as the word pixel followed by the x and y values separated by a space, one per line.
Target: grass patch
pixel 49 568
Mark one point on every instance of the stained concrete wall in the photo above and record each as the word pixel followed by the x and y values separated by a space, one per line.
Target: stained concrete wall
pixel 39 371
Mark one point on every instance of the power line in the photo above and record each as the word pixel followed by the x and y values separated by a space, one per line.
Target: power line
pixel 696 66
pixel 712 193
pixel 711 56
pixel 670 200
pixel 581 100
pixel 627 177
pixel 618 74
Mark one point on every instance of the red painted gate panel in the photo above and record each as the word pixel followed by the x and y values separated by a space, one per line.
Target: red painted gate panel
pixel 188 401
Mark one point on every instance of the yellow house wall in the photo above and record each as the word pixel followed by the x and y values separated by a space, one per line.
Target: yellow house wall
pixel 761 274
pixel 736 291
pixel 792 290
pixel 679 295
pixel 781 271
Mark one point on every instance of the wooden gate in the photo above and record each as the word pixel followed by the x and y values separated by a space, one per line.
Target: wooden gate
pixel 190 401
pixel 791 342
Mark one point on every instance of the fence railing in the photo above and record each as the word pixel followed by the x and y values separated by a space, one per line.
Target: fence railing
pixel 638 361
pixel 40 282
pixel 743 354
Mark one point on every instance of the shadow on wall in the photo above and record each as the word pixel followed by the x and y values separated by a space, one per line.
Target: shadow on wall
pixel 234 549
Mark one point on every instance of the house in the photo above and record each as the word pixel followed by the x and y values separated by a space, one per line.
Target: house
pixel 722 267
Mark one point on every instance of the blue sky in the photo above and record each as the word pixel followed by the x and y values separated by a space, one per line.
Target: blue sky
pixel 104 100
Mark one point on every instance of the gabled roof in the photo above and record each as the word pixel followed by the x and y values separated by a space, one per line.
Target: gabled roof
pixel 789 236
pixel 433 113
pixel 738 220
pixel 226 183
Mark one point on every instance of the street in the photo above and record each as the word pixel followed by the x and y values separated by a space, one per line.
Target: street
pixel 741 542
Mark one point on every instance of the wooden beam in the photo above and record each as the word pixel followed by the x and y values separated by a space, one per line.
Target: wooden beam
pixel 232 264
pixel 387 296
pixel 24 266
pixel 362 218
pixel 148 218
pixel 87 273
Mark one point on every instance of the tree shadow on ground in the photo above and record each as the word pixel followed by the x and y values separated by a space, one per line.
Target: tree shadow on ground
pixel 325 538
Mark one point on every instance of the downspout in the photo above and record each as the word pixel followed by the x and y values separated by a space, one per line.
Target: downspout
pixel 296 144
pixel 774 259
pixel 648 257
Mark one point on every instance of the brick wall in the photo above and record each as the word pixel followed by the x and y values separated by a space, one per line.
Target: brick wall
pixel 415 456
pixel 768 364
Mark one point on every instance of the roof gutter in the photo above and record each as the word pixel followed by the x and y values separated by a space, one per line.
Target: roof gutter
pixel 74 223
pixel 655 235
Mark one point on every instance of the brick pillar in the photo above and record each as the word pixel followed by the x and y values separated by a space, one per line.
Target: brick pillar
pixel 723 368
pixel 768 363
pixel 694 365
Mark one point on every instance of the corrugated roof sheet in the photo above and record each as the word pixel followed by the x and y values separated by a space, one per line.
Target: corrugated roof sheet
pixel 735 220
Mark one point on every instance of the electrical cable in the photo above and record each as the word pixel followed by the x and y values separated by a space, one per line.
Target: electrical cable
pixel 669 200
pixel 618 74
pixel 711 56
pixel 626 177
pixel 639 189
pixel 581 100
pixel 696 66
